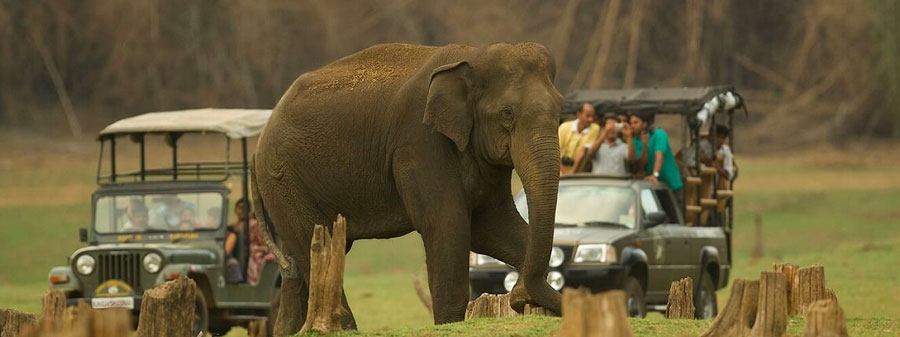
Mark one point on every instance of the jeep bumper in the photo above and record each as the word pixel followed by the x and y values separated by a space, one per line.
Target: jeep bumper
pixel 596 278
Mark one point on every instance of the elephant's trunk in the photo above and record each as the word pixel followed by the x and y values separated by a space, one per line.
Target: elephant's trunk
pixel 538 167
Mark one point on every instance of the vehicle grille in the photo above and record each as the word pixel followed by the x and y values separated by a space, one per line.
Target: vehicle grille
pixel 569 253
pixel 120 266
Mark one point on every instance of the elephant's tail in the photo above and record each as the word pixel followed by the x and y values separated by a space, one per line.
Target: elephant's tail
pixel 288 267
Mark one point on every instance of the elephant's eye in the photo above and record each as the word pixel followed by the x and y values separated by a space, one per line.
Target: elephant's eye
pixel 506 113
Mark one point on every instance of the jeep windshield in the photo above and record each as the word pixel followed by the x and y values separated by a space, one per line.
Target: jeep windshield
pixel 148 213
pixel 587 206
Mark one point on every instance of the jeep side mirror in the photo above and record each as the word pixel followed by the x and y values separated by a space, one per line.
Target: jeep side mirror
pixel 654 218
pixel 83 234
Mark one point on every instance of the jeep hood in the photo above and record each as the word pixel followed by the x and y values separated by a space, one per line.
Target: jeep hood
pixel 573 236
pixel 179 252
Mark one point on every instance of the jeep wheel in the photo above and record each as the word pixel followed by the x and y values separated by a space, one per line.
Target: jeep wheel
pixel 705 303
pixel 201 314
pixel 634 294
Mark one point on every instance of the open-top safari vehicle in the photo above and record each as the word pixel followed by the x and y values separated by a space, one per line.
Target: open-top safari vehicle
pixel 160 212
pixel 621 232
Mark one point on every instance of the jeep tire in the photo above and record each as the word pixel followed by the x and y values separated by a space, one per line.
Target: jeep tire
pixel 201 314
pixel 705 305
pixel 635 302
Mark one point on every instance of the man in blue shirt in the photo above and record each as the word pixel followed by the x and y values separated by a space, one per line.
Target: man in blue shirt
pixel 660 160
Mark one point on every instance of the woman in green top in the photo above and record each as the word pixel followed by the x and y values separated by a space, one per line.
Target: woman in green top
pixel 660 160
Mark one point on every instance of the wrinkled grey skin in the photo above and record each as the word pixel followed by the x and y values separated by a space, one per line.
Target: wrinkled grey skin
pixel 402 138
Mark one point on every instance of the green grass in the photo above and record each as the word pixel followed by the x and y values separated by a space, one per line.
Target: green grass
pixel 852 231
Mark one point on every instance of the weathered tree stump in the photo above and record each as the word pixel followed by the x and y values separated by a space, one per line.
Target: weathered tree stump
pixel 771 313
pixel 790 271
pixel 536 311
pixel 824 318
pixel 53 307
pixel 594 315
pixel 257 328
pixel 168 309
pixel 326 278
pixel 12 322
pixel 84 321
pixel 737 318
pixel 807 286
pixel 681 299
pixel 490 305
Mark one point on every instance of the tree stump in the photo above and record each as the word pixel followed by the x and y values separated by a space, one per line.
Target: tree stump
pixel 737 318
pixel 490 305
pixel 326 278
pixel 53 307
pixel 168 309
pixel 681 299
pixel 824 318
pixel 771 313
pixel 790 271
pixel 594 315
pixel 257 328
pixel 807 286
pixel 536 311
pixel 12 322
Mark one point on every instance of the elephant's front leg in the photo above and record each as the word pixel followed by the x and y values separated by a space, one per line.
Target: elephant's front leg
pixel 440 214
pixel 500 232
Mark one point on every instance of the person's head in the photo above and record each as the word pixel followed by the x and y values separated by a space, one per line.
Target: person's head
pixel 609 122
pixel 240 209
pixel 722 133
pixel 585 114
pixel 187 216
pixel 212 217
pixel 622 116
pixel 137 213
pixel 641 120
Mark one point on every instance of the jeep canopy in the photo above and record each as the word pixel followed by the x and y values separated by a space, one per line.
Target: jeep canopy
pixel 660 100
pixel 234 123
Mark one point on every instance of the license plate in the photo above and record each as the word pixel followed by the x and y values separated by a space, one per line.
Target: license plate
pixel 112 302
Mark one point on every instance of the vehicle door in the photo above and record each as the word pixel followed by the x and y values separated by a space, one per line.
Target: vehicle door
pixel 683 249
pixel 653 242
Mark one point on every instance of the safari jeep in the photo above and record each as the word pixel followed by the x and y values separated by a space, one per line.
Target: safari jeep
pixel 621 232
pixel 166 217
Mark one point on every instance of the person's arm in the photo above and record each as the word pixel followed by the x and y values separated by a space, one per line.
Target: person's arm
pixel 230 242
pixel 595 146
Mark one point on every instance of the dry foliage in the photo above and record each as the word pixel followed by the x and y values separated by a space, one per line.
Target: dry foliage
pixel 829 67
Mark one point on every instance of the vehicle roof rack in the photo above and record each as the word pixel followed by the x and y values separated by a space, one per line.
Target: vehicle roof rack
pixel 234 123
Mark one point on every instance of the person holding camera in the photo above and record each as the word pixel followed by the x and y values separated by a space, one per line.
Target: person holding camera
pixel 660 160
pixel 573 135
pixel 608 153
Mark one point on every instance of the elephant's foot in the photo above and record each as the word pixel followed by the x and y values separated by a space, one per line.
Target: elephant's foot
pixel 545 297
pixel 292 312
pixel 518 297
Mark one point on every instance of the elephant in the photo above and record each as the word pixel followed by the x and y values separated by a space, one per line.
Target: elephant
pixel 400 138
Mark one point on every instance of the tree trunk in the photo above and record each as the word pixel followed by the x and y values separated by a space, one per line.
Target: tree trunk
pixel 771 313
pixel 257 328
pixel 53 307
pixel 807 286
pixel 737 318
pixel 681 299
pixel 594 315
pixel 824 318
pixel 12 322
pixel 326 278
pixel 168 309
pixel 789 271
pixel 490 305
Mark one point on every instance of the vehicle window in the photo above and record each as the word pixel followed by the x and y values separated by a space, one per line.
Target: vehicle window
pixel 158 212
pixel 648 202
pixel 668 205
pixel 590 206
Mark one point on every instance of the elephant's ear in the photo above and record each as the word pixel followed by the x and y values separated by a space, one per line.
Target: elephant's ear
pixel 447 109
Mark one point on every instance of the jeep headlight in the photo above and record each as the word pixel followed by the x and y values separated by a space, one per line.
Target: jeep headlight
pixel 85 264
pixel 602 253
pixel 556 257
pixel 476 259
pixel 152 262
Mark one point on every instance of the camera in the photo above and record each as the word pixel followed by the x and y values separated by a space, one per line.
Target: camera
pixel 567 161
pixel 619 126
